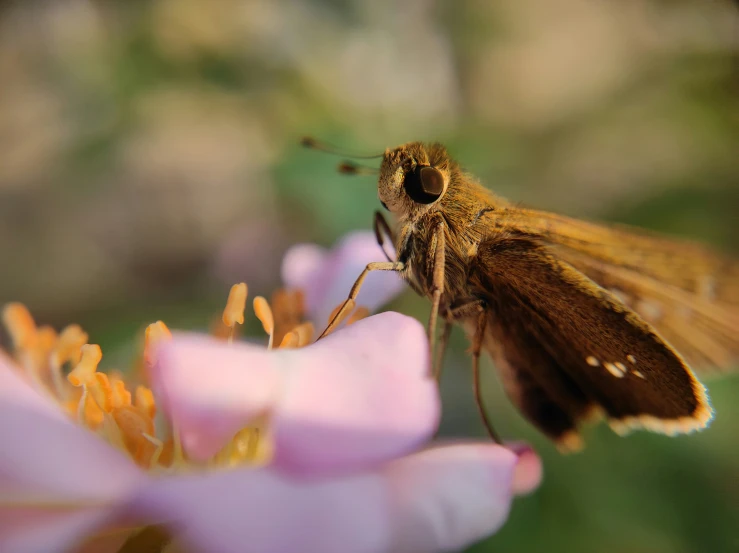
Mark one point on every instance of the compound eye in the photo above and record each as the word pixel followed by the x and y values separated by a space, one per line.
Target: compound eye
pixel 424 184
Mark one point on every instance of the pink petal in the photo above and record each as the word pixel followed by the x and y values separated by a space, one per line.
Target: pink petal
pixel 44 530
pixel 15 385
pixel 260 510
pixel 301 266
pixel 529 469
pixel 211 390
pixel 51 470
pixel 54 460
pixel 359 396
pixel 437 500
pixel 446 498
pixel 326 278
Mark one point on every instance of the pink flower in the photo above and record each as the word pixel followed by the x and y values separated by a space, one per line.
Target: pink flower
pixel 327 276
pixel 313 449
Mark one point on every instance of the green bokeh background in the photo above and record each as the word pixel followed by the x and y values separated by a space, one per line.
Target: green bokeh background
pixel 149 159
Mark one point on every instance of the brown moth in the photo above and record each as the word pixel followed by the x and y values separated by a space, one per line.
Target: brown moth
pixel 582 321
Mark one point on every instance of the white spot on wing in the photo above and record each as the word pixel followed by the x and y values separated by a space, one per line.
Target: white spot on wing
pixel 592 361
pixel 639 374
pixel 631 359
pixel 614 370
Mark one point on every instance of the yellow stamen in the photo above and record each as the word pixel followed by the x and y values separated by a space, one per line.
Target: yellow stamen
pixel 46 338
pixel 35 355
pixel 144 401
pixel 155 334
pixel 235 305
pixel 120 397
pixel 92 414
pixel 101 391
pixel 291 340
pixel 159 445
pixel 69 345
pixel 305 333
pixel 85 370
pixel 101 401
pixel 133 424
pixel 68 348
pixel 20 325
pixel 264 314
pixel 288 308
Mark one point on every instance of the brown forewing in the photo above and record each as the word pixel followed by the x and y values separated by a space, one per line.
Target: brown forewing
pixel 570 337
pixel 687 292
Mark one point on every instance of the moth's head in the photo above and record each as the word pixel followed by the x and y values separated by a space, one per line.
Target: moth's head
pixel 413 178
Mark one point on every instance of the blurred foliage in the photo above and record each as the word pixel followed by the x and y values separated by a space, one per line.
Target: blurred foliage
pixel 149 158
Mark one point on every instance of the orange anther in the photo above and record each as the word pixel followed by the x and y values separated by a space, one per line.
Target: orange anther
pixel 87 366
pixel 69 345
pixel 46 338
pixel 155 334
pixel 144 401
pixel 20 325
pixel 264 314
pixel 360 313
pixel 93 413
pixel 133 424
pixel 101 391
pixel 234 311
pixel 305 333
pixel 291 340
pixel 120 397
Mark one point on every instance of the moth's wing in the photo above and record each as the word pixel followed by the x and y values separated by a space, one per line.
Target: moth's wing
pixel 687 292
pixel 705 333
pixel 551 320
pixel 535 382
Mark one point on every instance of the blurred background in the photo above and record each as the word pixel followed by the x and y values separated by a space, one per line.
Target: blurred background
pixel 149 159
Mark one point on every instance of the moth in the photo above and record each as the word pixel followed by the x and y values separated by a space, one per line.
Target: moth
pixel 583 321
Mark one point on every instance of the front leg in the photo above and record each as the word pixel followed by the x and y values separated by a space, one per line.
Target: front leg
pixel 436 265
pixel 382 229
pixel 350 302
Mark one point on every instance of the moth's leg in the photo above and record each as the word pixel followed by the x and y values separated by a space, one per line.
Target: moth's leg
pixel 462 310
pixel 349 303
pixel 441 350
pixel 438 243
pixel 380 226
pixel 476 348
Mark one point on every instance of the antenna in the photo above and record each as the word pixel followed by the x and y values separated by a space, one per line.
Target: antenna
pixel 351 168
pixel 314 144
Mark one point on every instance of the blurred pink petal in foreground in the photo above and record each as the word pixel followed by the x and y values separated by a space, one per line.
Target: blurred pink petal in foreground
pixel 327 276
pixel 58 481
pixel 344 417
pixel 440 499
pixel 357 397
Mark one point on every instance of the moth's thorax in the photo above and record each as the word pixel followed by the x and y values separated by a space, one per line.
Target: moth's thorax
pixel 467 209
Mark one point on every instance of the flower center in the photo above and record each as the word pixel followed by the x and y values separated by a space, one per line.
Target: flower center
pixel 120 407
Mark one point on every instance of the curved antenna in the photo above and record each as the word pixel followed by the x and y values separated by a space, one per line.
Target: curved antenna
pixel 315 144
pixel 351 168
